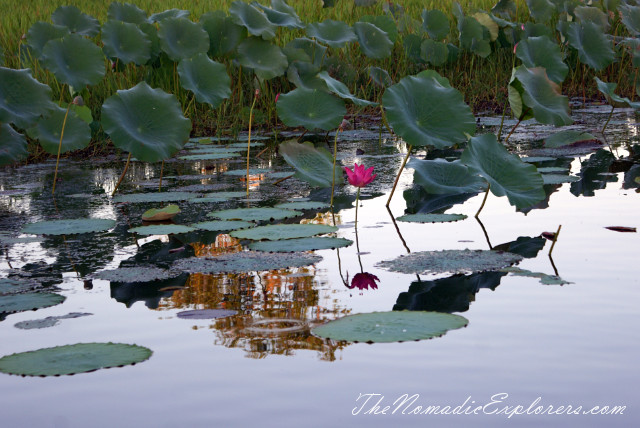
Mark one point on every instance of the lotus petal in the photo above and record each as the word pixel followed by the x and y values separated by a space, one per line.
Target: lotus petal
pixel 126 42
pixel 181 38
pixel 74 60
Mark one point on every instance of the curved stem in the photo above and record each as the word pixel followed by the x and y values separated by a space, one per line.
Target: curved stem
pixel 514 128
pixel 398 230
pixel 64 123
pixel 395 183
pixel 486 235
pixel 126 167
pixel 357 201
pixel 484 200
pixel 333 178
pixel 161 171
pixel 608 119
pixel 504 111
pixel 555 239
pixel 356 227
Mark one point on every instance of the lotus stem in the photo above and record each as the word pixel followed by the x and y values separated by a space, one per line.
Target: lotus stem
pixel 357 240
pixel 249 140
pixel 555 239
pixel 275 183
pixel 55 175
pixel 608 119
pixel 398 230
pixel 514 127
pixel 161 171
pixel 633 90
pixel 486 194
pixel 486 235
pixel 333 178
pixel 126 167
pixel 395 183
pixel 356 225
pixel 504 111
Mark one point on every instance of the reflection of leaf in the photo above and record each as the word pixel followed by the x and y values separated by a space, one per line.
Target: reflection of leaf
pixel 274 232
pixel 591 177
pixel 621 228
pixel 525 246
pixel 300 244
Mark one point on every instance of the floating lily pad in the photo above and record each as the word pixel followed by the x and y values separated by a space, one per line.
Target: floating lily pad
pixel 154 197
pixel 245 261
pixel 254 214
pixel 453 261
pixel 210 156
pixel 313 165
pixel 48 321
pixel 228 195
pixel 243 172
pixel 431 218
pixel 394 326
pixel 274 232
pixel 558 178
pixel 69 227
pixel 303 205
pixel 14 286
pixel 161 214
pixel 566 138
pixel 161 229
pixel 135 274
pixel 206 314
pixel 552 169
pixel 207 199
pixel 72 359
pixel 223 225
pixel 535 159
pixel 300 244
pixel 544 278
pixel 29 301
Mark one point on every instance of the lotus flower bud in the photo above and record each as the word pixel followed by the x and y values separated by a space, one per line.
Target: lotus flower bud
pixel 78 101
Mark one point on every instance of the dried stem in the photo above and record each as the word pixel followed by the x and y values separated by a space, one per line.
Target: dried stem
pixel 555 239
pixel 126 167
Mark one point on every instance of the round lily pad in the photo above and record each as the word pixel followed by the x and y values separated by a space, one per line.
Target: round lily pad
pixel 274 232
pixel 227 195
pixel 394 326
pixel 254 214
pixel 207 199
pixel 72 359
pixel 223 225
pixel 135 274
pixel 252 171
pixel 14 286
pixel 303 205
pixel 48 321
pixel 206 314
pixel 452 261
pixel 431 218
pixel 558 178
pixel 161 229
pixel 69 227
pixel 154 197
pixel 300 244
pixel 244 262
pixel 210 156
pixel 161 214
pixel 29 301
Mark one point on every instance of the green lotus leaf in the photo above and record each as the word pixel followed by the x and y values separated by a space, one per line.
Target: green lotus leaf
pixel 161 229
pixel 334 33
pixel 634 48
pixel 300 244
pixel 15 286
pixel 380 77
pixel 135 274
pixel 411 44
pixel 76 21
pixel 281 14
pixel 223 225
pixel 435 23
pixel 181 38
pixel 314 50
pixel 243 172
pixel 439 177
pixel 77 134
pixel 28 302
pixel 385 23
pixel 224 34
pixel 265 58
pixel 161 214
pixel 229 195
pixel 48 321
pixel 275 232
pixel 207 199
pixel 305 75
pixel 252 19
pixel 22 98
pixel 73 359
pixel 559 178
pixel 245 261
pixel 74 60
pixel 151 32
pixel 153 197
pixel 474 36
pixel 505 8
pixel 531 92
pixel 431 218
pixel 207 79
pixel 594 15
pixel 146 122
pixel 615 100
pixel 168 14
pixel 552 169
pixel 594 49
pixel 450 261
pixel 41 32
pixel 69 226
pixel 83 112
pixel 542 52
pixel 395 326
pixel 434 53
pixel 374 42
pixel 341 90
pixel 303 205
pixel 541 10
pixel 567 137
pixel 126 12
pixel 312 109
pixel 424 112
pixel 254 214
pixel 126 42
pixel 505 172
pixel 630 17
pixel 489 23
pixel 13 145
pixel 313 165
pixel 210 156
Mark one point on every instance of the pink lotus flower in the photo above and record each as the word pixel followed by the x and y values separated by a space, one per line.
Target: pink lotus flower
pixel 277 96
pixel 364 281
pixel 359 176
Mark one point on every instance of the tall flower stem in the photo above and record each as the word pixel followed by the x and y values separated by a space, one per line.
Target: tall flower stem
pixel 55 175
pixel 249 139
pixel 357 202
pixel 335 155
pixel 608 119
pixel 395 183
pixel 126 167
pixel 161 171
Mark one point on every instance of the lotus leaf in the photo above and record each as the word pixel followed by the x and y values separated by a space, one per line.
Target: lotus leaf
pixel 41 32
pixel 206 314
pixel 281 14
pixel 542 52
pixel 594 49
pixel 310 108
pixel 334 33
pixel 439 176
pixel 374 42
pixel 431 218
pixel 505 8
pixel 630 18
pixel 224 34
pixel 74 60
pixel 424 112
pixel 474 36
pixel 181 38
pixel 48 321
pixel 435 23
pixel 305 75
pixel 223 225
pixel 69 226
pixel 76 21
pixel 146 122
pixel 489 23
pixel 313 49
pixel 243 172
pixel 594 15
pixel 207 79
pixel 77 134
pixel 385 23
pixel 245 261
pixel 558 178
pixel 274 232
pixel 14 286
pixel 411 44
pixel 566 138
pixel 126 42
pixel 161 229
pixel 615 100
pixel 254 214
pixel 22 98
pixel 341 90
pixel 313 165
pixel 541 10
pixel 29 301
pixel 126 12
pixel 266 59
pixel 228 194
pixel 13 145
pixel 253 19
pixel 83 112
pixel 135 274
pixel 300 244
pixel 434 53
pixel 505 172
pixel 73 359
pixel 380 77
pixel 161 214
pixel 168 14
pixel 210 156
pixel 303 205
pixel 153 197
pixel 553 169
pixel 207 199
pixel 544 278
pixel 395 326
pixel 452 261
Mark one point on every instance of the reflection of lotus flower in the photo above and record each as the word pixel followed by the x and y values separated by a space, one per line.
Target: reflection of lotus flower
pixel 360 176
pixel 364 281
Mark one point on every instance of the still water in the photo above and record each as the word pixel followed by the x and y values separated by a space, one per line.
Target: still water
pixel 526 344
